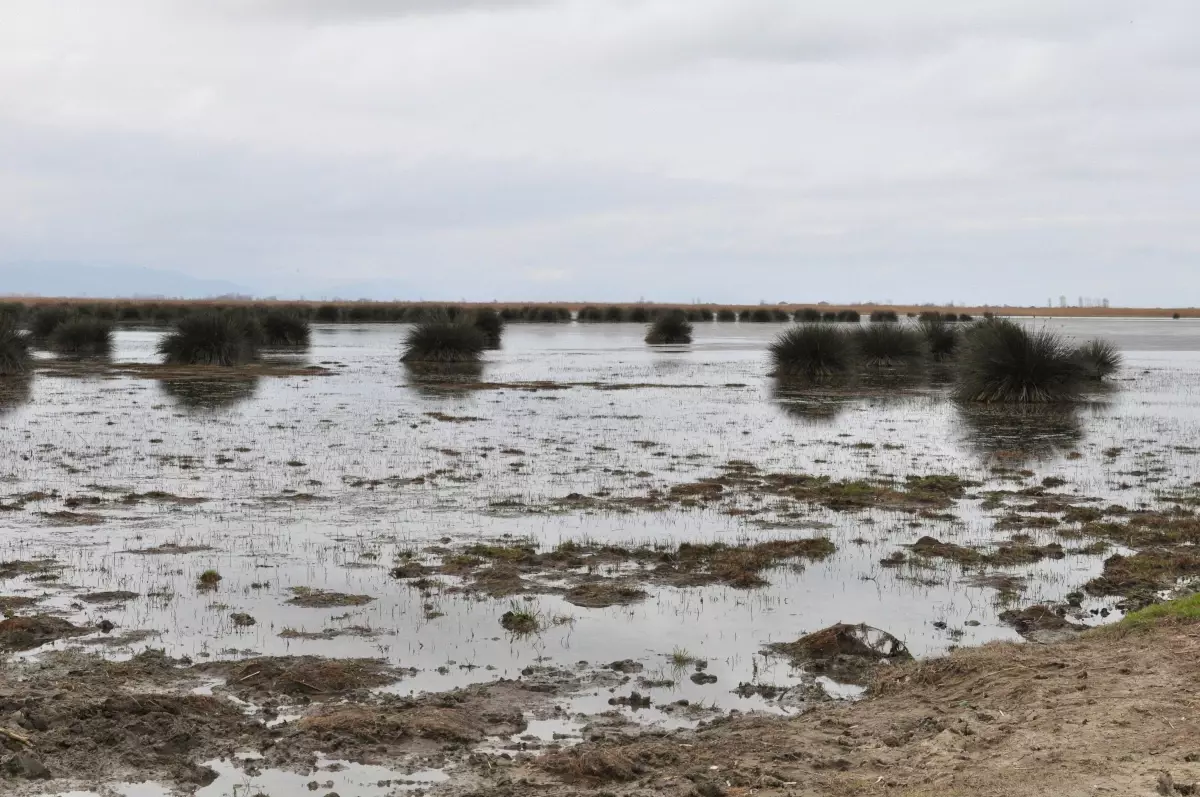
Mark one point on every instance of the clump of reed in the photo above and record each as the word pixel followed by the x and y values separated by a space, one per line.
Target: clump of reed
pixel 210 338
pixel 1099 359
pixel 1003 361
pixel 14 347
pixel 82 335
pixel 284 328
pixel 888 345
pixel 941 337
pixel 811 351
pixel 444 340
pixel 670 328
pixel 884 316
pixel 489 322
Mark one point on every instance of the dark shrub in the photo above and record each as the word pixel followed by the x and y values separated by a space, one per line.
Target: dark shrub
pixel 1175 316
pixel 209 338
pixel 849 316
pixel 441 340
pixel 705 314
pixel 966 317
pixel 885 345
pixel 282 328
pixel 780 315
pixel 830 316
pixel 727 314
pixel 639 315
pixel 14 347
pixel 328 314
pixel 489 322
pixel 941 338
pixel 589 313
pixel 1002 361
pixel 672 327
pixel 811 351
pixel 614 314
pixel 44 320
pixel 1099 359
pixel 884 316
pixel 82 335
pixel 510 313
pixel 759 315
pixel 809 314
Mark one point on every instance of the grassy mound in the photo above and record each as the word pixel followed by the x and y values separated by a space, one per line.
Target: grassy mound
pixel 1099 359
pixel 489 322
pixel 14 348
pixel 212 338
pixel 727 314
pixel 808 314
pixel 1003 361
pixel 672 327
pixel 82 335
pixel 811 351
pixel 614 314
pixel 759 315
pixel 281 328
pixel 851 316
pixel 941 338
pixel 442 340
pixel 44 320
pixel 884 316
pixel 886 345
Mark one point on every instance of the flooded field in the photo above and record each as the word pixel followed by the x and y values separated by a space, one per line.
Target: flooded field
pixel 587 537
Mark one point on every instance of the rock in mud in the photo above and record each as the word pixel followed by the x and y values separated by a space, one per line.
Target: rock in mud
pixel 1041 624
pixel 844 652
pixel 28 767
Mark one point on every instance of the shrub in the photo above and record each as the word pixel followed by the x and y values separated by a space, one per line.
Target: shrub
pixel 639 315
pixel 1003 361
pixel 780 315
pixel 1175 316
pixel 941 338
pixel 811 351
pixel 14 347
pixel 614 314
pixel 759 315
pixel 45 320
pixel 704 314
pixel 82 335
pixel 810 314
pixel 727 314
pixel 885 345
pixel 328 314
pixel 672 327
pixel 209 338
pixel 851 316
pixel 590 313
pixel 884 316
pixel 489 322
pixel 442 340
pixel 830 316
pixel 283 328
pixel 966 317
pixel 1099 359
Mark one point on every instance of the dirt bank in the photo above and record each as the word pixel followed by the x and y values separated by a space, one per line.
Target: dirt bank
pixel 1104 714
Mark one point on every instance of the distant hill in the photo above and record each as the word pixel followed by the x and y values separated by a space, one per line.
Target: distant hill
pixel 64 279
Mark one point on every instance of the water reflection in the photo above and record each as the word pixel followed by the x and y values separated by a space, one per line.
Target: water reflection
pixel 15 391
pixel 1021 431
pixel 438 379
pixel 209 394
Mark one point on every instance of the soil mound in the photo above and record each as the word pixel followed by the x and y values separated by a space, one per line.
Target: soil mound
pixel 25 633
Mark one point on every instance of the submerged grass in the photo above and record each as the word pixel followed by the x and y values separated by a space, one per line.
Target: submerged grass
pixel 1003 361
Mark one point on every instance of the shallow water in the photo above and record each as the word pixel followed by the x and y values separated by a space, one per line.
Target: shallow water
pixel 286 465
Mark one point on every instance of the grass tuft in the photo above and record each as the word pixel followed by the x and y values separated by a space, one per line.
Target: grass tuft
pixel 209 338
pixel 282 328
pixel 886 345
pixel 489 322
pixel 811 351
pixel 941 338
pixel 672 327
pixel 14 347
pixel 1099 359
pixel 1002 361
pixel 442 340
pixel 884 316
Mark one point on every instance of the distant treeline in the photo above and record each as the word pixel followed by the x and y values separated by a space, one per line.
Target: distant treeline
pixel 134 312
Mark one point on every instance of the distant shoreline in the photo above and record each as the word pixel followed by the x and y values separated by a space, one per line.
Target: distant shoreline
pixel 864 309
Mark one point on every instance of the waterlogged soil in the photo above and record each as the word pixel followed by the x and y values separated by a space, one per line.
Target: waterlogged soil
pixel 663 528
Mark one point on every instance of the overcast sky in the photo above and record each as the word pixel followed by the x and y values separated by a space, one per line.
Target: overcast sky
pixel 726 150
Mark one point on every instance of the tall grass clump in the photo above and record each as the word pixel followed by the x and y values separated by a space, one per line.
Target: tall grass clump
pixel 14 347
pixel 884 316
pixel 886 345
pixel 209 338
pixel 44 320
pixel 811 351
pixel 283 328
pixel 727 314
pixel 444 340
pixel 1099 359
pixel 1002 361
pixel 82 335
pixel 672 327
pixel 489 322
pixel 614 313
pixel 941 338
pixel 589 313
pixel 849 316
pixel 808 314
pixel 759 315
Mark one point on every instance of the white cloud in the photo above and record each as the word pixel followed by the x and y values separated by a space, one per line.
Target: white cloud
pixel 733 148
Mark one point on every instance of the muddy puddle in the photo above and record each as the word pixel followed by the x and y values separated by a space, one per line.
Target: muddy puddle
pixel 627 519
